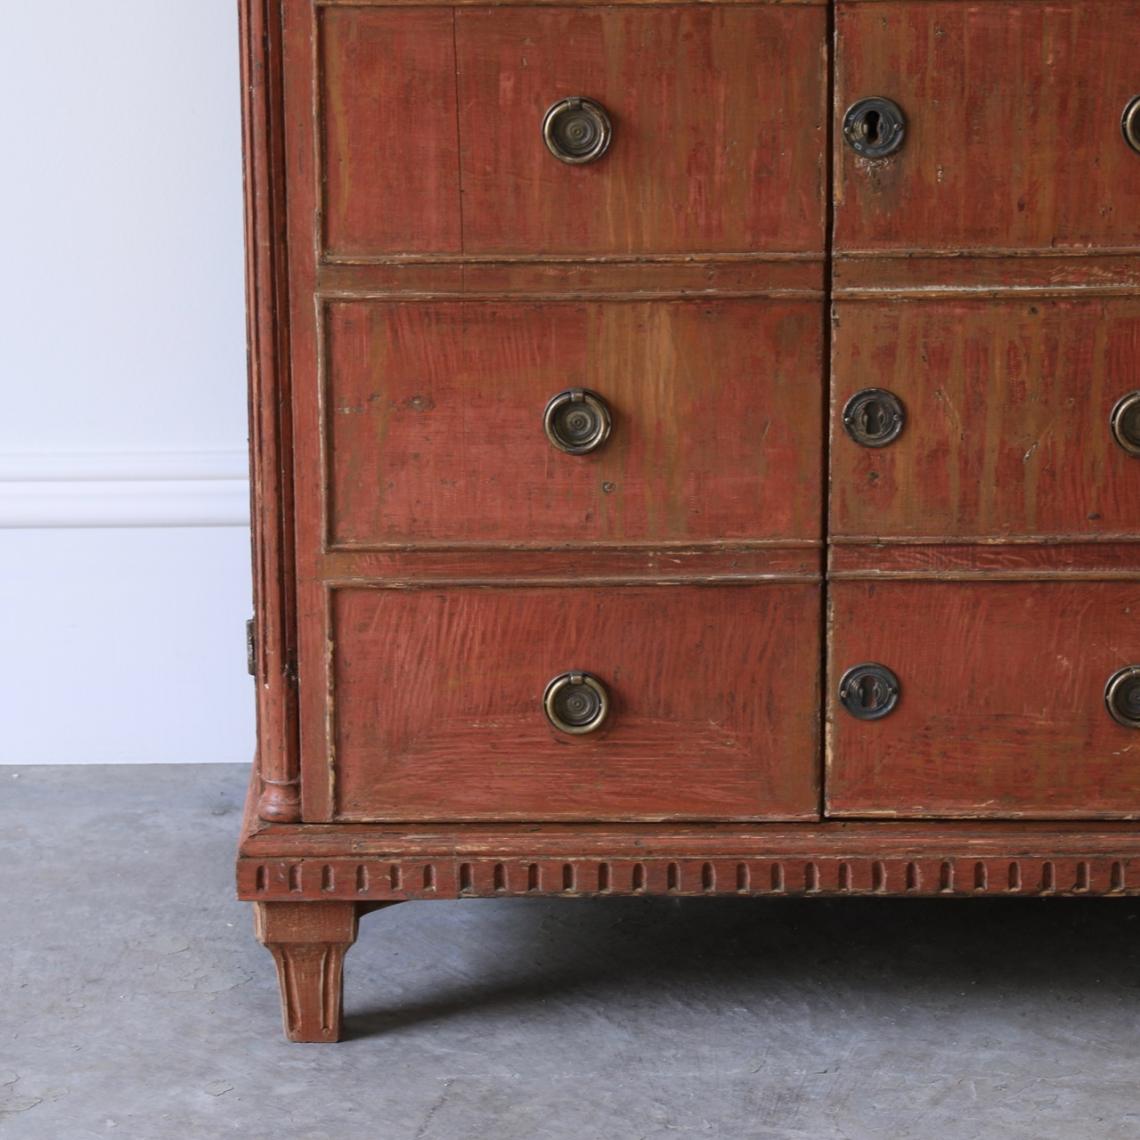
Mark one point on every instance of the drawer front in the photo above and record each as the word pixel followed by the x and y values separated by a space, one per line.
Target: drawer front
pixel 1001 710
pixel 435 421
pixel 719 121
pixel 1008 419
pixel 438 697
pixel 1013 125
pixel 387 139
pixel 717 116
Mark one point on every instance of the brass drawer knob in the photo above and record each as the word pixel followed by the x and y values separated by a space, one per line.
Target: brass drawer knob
pixel 1122 696
pixel 1130 123
pixel 874 127
pixel 869 691
pixel 577 130
pixel 874 417
pixel 576 703
pixel 577 421
pixel 1125 422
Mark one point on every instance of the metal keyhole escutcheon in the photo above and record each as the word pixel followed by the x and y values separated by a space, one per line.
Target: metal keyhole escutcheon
pixel 874 417
pixel 577 421
pixel 869 691
pixel 1125 423
pixel 1130 123
pixel 1122 696
pixel 576 702
pixel 577 130
pixel 874 127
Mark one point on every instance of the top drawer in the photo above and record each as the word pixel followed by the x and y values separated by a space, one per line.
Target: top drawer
pixel 430 126
pixel 1013 133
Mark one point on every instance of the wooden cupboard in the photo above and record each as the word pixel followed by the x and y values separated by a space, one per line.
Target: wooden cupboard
pixel 695 450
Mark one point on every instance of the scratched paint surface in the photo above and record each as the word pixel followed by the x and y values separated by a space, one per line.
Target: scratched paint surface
pixel 432 130
pixel 1002 709
pixel 1007 431
pixel 714 694
pixel 1013 125
pixel 435 414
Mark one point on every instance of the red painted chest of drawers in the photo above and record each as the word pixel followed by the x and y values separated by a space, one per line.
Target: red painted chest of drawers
pixel 696 450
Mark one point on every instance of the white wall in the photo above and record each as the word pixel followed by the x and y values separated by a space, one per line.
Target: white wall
pixel 124 545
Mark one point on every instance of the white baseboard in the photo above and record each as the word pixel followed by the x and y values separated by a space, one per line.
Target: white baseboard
pixel 124 489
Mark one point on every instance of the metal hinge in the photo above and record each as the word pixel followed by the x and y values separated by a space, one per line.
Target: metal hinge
pixel 251 646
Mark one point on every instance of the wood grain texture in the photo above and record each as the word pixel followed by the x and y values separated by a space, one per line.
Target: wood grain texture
pixel 1002 710
pixel 270 419
pixel 1013 125
pixel 1007 431
pixel 596 565
pixel 714 691
pixel 388 131
pixel 434 413
pixel 831 838
pixel 308 942
pixel 665 277
pixel 1022 561
pixel 909 276
pixel 304 228
pixel 719 120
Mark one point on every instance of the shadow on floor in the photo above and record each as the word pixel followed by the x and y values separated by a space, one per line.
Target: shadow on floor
pixel 729 950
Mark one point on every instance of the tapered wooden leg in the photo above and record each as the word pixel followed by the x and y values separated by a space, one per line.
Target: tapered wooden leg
pixel 308 941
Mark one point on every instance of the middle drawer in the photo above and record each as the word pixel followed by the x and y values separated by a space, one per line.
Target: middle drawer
pixel 436 424
pixel 995 419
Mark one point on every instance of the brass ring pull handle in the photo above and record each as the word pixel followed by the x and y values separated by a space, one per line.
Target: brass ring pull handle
pixel 576 703
pixel 577 130
pixel 869 691
pixel 577 421
pixel 874 127
pixel 1125 423
pixel 1130 123
pixel 1122 696
pixel 874 417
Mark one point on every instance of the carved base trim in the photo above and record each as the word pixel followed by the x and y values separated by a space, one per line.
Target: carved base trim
pixel 957 875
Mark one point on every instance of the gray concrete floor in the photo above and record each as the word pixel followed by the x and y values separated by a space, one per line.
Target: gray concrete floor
pixel 136 1003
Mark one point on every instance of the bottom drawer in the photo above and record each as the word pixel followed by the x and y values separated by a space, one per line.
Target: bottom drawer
pixel 712 703
pixel 1001 708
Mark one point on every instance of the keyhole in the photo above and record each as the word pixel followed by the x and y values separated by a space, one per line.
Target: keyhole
pixel 871 123
pixel 874 419
pixel 868 692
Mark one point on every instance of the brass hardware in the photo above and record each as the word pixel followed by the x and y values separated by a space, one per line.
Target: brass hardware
pixel 1125 422
pixel 869 691
pixel 1130 123
pixel 577 421
pixel 577 130
pixel 1122 696
pixel 874 417
pixel 874 127
pixel 576 703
